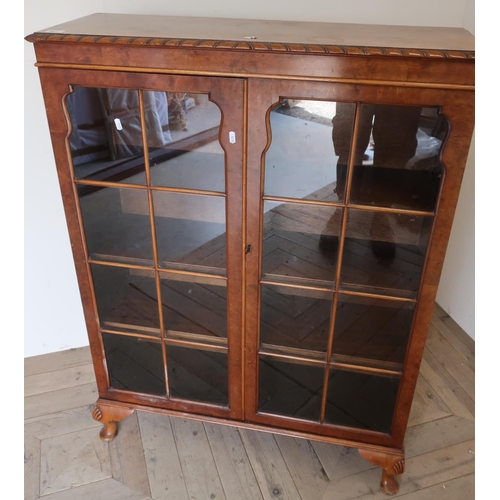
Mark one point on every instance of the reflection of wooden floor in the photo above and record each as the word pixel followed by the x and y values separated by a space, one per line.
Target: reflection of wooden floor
pixel 161 458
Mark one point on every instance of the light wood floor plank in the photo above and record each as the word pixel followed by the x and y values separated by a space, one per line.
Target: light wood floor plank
pixel 455 328
pixel 233 465
pixel 457 342
pixel 451 360
pixel 56 361
pixel 166 480
pixel 197 462
pixel 446 386
pixel 329 456
pixel 64 422
pixel 60 400
pixel 59 379
pixel 271 471
pixel 109 489
pixel 32 453
pixel 461 488
pixel 438 434
pixel 128 464
pixel 70 461
pixel 427 405
pixel 305 468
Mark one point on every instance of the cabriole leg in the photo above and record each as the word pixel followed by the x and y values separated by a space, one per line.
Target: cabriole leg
pixel 392 465
pixel 109 416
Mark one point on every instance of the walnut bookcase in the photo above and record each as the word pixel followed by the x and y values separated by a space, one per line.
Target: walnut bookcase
pixel 259 213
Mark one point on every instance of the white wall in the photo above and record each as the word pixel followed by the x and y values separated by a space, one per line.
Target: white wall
pixel 456 294
pixel 53 311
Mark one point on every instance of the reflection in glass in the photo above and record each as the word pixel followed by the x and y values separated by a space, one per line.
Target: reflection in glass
pixel 397 160
pixel 384 253
pixel 190 230
pixel 183 145
pixel 134 364
pixel 361 400
pixel 291 389
pixel 126 299
pixel 114 233
pixel 301 161
pixel 294 317
pixel 106 136
pixel 371 332
pixel 197 375
pixel 301 241
pixel 193 305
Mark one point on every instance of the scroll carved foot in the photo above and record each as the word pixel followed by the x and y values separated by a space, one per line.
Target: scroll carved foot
pixel 109 416
pixel 393 464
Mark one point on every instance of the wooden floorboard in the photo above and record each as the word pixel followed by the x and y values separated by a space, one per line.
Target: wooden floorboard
pixel 162 458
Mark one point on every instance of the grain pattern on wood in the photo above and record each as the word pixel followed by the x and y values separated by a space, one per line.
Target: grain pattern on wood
pixel 265 34
pixel 446 387
pixel 456 339
pixel 59 379
pixel 162 461
pixel 270 469
pixel 438 434
pixel 454 328
pixel 427 405
pixel 69 461
pixel 339 461
pixel 198 465
pixel 128 464
pixel 461 488
pixel 32 454
pixel 304 466
pixel 233 465
pixel 109 489
pixel 56 361
pixel 60 400
pixel 64 422
pixel 451 360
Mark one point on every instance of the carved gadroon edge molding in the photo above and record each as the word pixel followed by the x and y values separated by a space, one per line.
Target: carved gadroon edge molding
pixel 255 46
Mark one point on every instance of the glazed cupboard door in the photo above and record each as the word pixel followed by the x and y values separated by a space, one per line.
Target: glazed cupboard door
pixel 150 168
pixel 344 184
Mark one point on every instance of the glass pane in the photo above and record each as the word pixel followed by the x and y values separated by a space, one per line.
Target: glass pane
pixel 106 136
pixel 113 231
pixel 197 375
pixel 134 364
pixel 126 299
pixel 301 242
pixel 372 332
pixel 397 159
pixel 361 400
pixel 193 306
pixel 384 253
pixel 305 160
pixel 292 389
pixel 191 230
pixel 183 141
pixel 295 318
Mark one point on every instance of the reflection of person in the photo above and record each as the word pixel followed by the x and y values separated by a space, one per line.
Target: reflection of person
pixel 394 131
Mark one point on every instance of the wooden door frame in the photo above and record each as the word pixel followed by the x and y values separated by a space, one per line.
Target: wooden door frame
pixel 458 107
pixel 228 95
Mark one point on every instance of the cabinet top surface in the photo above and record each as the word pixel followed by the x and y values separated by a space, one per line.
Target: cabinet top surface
pixel 255 34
